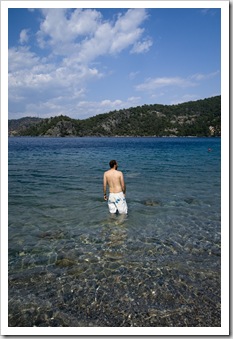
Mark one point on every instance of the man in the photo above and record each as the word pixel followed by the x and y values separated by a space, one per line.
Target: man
pixel 115 180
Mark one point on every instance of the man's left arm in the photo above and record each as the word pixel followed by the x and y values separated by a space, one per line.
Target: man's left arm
pixel 123 186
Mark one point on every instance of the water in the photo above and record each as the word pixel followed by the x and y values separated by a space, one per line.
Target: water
pixel 73 264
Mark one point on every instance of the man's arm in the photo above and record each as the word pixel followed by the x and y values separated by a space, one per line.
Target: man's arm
pixel 105 187
pixel 123 186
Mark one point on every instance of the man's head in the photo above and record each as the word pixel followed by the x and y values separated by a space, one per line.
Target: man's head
pixel 113 164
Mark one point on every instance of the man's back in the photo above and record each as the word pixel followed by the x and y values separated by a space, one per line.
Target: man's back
pixel 115 181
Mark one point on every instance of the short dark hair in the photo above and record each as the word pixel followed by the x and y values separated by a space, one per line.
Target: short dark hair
pixel 112 163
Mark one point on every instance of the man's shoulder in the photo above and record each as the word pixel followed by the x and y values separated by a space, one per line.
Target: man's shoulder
pixel 106 172
pixel 119 173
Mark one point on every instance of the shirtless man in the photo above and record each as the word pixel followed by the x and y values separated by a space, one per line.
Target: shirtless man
pixel 115 180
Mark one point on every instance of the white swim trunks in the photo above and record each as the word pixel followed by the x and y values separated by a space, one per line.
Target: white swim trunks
pixel 117 202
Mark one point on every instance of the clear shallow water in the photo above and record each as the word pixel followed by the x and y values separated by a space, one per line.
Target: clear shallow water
pixel 72 264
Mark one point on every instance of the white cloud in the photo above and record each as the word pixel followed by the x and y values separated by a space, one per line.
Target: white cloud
pixel 154 83
pixel 24 36
pixel 126 31
pixel 86 35
pixel 21 58
pixel 201 76
pixel 62 30
pixel 133 75
pixel 151 84
pixel 130 20
pixel 134 100
pixel 141 47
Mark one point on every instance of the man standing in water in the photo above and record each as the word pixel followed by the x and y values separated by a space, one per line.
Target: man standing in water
pixel 115 180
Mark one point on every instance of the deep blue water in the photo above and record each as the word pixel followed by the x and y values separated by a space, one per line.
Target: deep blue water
pixel 60 230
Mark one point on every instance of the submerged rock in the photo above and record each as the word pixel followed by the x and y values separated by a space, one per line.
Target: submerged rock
pixel 151 203
pixel 52 235
pixel 65 262
pixel 190 201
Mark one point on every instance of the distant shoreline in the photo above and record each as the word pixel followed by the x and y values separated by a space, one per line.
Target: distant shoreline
pixel 112 136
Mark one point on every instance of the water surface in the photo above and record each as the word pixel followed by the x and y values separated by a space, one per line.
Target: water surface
pixel 73 264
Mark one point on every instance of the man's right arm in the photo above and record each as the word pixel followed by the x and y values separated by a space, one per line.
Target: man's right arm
pixel 105 186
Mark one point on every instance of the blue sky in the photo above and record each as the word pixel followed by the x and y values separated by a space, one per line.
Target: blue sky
pixel 83 62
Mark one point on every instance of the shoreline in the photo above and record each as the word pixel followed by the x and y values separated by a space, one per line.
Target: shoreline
pixel 113 136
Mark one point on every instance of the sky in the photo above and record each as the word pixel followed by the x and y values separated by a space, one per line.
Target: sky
pixel 83 62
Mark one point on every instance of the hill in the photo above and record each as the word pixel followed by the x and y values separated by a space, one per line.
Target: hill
pixel 194 118
pixel 16 126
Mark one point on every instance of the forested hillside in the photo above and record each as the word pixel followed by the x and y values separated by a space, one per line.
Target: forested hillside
pixel 194 118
